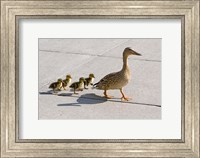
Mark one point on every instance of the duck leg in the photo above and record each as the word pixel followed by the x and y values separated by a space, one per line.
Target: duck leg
pixel 85 83
pixel 55 92
pixel 107 96
pixel 75 91
pixel 85 87
pixel 123 96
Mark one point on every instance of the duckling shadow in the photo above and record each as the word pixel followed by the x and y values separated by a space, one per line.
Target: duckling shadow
pixel 71 90
pixel 86 99
pixel 46 93
pixel 65 94
pixel 56 93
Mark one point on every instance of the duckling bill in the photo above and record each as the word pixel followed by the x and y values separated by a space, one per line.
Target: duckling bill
pixel 117 80
pixel 78 85
pixel 89 81
pixel 56 86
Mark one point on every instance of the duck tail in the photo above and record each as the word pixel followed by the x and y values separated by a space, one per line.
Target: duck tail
pixel 95 85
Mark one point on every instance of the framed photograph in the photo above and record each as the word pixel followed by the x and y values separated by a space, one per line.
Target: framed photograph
pixel 100 78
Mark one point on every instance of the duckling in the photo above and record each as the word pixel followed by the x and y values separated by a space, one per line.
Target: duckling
pixel 89 80
pixel 78 85
pixel 66 81
pixel 117 80
pixel 56 86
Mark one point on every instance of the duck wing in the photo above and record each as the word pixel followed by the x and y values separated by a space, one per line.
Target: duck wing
pixel 64 83
pixel 106 81
pixel 74 85
pixel 53 85
pixel 87 81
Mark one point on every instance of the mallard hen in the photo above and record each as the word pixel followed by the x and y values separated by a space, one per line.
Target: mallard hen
pixel 117 80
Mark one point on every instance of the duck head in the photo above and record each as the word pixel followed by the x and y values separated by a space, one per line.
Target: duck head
pixel 59 80
pixel 128 51
pixel 91 75
pixel 81 79
pixel 68 77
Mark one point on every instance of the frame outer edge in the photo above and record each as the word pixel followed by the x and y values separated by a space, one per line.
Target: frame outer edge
pixel 4 81
pixel 196 73
pixel 5 97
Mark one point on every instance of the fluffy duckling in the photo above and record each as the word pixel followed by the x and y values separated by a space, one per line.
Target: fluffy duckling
pixel 78 85
pixel 66 81
pixel 89 80
pixel 117 80
pixel 56 86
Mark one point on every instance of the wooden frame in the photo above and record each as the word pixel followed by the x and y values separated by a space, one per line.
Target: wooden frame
pixel 12 11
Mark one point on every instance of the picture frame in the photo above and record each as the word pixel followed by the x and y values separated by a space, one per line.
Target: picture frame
pixel 12 146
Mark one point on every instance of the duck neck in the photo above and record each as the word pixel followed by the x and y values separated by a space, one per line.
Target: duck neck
pixel 125 63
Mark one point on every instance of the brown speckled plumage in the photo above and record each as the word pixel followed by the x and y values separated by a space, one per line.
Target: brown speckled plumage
pixel 117 80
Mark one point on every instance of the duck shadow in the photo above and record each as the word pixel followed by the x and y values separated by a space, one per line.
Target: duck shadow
pixel 92 98
pixel 86 99
pixel 134 103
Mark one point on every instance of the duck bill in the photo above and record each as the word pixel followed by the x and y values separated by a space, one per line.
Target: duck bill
pixel 135 53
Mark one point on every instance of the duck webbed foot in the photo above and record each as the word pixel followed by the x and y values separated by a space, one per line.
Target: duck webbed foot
pixel 75 91
pixel 107 96
pixel 55 92
pixel 123 96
